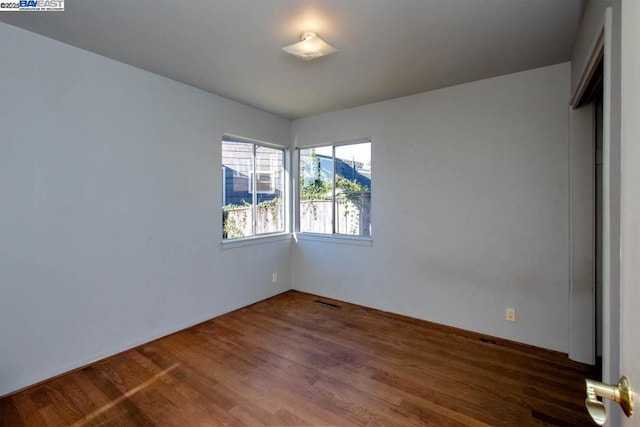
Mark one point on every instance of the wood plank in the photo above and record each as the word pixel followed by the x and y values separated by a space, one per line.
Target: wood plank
pixel 291 361
pixel 29 413
pixel 9 414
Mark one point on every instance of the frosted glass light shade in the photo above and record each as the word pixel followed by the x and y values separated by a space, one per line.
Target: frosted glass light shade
pixel 310 47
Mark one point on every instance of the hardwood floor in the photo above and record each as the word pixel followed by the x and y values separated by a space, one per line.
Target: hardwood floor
pixel 290 360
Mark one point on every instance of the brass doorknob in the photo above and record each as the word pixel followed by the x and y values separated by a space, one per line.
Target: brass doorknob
pixel 621 393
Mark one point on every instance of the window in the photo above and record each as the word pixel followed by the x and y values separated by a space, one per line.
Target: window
pixel 247 165
pixel 335 189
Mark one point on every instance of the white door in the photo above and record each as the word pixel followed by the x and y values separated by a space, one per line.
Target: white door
pixel 630 203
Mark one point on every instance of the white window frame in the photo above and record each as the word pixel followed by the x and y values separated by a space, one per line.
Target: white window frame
pixel 252 185
pixel 224 185
pixel 333 236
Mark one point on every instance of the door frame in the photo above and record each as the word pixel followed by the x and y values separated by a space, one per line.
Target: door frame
pixel 583 313
pixel 603 47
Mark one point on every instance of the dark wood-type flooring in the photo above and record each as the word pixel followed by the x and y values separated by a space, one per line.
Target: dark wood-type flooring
pixel 292 361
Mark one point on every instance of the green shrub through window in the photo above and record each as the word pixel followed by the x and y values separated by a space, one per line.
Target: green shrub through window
pixel 335 189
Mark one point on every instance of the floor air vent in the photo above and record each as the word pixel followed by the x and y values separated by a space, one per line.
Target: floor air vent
pixel 488 341
pixel 328 304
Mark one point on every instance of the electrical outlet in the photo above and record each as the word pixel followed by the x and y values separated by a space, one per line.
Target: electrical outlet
pixel 274 278
pixel 510 314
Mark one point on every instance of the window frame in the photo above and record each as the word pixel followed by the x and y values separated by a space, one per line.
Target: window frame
pixel 224 185
pixel 342 238
pixel 254 194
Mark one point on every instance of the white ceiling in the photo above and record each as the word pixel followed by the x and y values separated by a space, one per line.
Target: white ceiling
pixel 387 48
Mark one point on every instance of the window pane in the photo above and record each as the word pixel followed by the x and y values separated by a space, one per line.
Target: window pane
pixel 269 190
pixel 353 189
pixel 316 189
pixel 237 212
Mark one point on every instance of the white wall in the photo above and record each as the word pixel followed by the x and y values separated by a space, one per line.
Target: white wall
pixel 110 221
pixel 470 207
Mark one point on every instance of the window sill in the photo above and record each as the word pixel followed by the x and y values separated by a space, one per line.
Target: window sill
pixel 335 238
pixel 254 240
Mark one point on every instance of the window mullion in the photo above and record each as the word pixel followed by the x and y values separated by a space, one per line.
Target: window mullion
pixel 333 190
pixel 254 196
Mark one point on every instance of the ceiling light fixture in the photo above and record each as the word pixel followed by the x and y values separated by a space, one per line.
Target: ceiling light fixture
pixel 311 46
